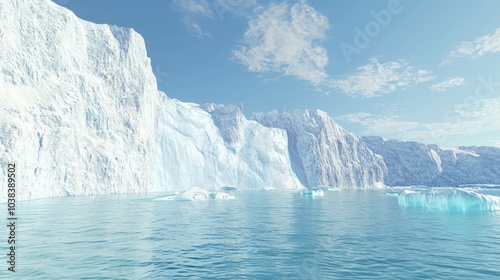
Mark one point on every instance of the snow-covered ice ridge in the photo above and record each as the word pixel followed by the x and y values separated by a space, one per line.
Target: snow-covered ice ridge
pixel 413 163
pixel 323 153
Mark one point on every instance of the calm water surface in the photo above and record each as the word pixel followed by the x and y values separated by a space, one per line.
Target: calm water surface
pixel 350 234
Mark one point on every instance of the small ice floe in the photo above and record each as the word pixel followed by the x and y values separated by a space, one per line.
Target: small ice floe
pixel 396 195
pixel 197 193
pixel 313 192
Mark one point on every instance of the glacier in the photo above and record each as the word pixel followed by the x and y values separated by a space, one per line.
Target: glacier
pixel 194 150
pixel 81 114
pixel 412 163
pixel 323 153
pixel 449 199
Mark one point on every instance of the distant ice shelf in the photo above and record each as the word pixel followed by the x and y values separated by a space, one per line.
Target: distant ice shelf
pixel 412 163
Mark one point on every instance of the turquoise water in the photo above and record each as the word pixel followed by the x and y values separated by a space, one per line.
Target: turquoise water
pixel 349 234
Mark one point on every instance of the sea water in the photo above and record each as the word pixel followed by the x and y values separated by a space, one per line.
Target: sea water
pixel 347 234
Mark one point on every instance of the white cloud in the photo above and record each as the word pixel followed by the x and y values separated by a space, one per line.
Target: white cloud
pixel 195 28
pixel 194 10
pixel 285 39
pixel 478 47
pixel 448 83
pixel 379 124
pixel 495 143
pixel 375 78
pixel 240 8
pixel 194 7
pixel 474 118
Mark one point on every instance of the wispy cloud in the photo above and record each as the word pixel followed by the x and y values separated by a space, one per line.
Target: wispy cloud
pixel 240 8
pixel 191 12
pixel 194 10
pixel 448 83
pixel 479 116
pixel 285 39
pixel 195 28
pixel 379 124
pixel 475 118
pixel 194 7
pixel 495 143
pixel 375 78
pixel 478 47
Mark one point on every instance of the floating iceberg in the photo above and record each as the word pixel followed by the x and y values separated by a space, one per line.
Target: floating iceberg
pixel 449 199
pixel 313 193
pixel 197 193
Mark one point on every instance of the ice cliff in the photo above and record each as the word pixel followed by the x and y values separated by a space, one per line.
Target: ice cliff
pixel 78 109
pixel 323 153
pixel 413 163
pixel 213 146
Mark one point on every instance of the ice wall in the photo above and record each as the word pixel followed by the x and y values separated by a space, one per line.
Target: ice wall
pixel 413 163
pixel 323 153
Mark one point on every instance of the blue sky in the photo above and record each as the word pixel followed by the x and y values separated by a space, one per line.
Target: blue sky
pixel 411 70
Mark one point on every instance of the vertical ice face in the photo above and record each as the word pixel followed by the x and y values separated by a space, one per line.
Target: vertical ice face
pixel 217 146
pixel 77 103
pixel 323 153
pixel 230 121
pixel 407 162
pixel 413 163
